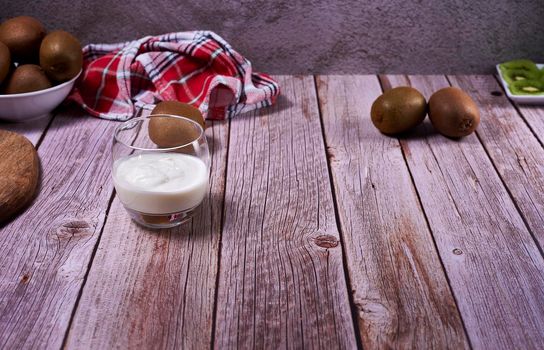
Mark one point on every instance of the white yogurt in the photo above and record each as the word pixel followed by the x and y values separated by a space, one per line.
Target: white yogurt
pixel 160 183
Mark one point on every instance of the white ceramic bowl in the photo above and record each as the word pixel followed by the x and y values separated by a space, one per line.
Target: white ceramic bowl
pixel 35 104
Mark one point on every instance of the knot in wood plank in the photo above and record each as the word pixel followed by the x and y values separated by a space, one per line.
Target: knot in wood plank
pixel 374 309
pixel 326 241
pixel 76 224
pixel 73 228
pixel 25 278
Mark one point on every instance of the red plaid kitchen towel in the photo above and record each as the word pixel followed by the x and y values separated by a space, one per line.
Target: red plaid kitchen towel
pixel 199 68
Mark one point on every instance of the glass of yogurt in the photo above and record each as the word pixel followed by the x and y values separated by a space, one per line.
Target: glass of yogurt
pixel 161 167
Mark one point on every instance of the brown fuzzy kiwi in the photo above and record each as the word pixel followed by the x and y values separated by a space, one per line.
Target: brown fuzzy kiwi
pixel 27 78
pixel 171 132
pixel 398 110
pixel 5 61
pixel 182 109
pixel 61 56
pixel 22 35
pixel 453 113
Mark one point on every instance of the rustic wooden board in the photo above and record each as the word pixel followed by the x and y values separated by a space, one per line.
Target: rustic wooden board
pixel 155 289
pixel 45 252
pixel 494 267
pixel 534 116
pixel 33 130
pixel 281 280
pixel 20 169
pixel 399 288
pixel 516 153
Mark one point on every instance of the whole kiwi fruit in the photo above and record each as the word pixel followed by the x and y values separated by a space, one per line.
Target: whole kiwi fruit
pixel 398 110
pixel 22 35
pixel 27 78
pixel 171 132
pixel 182 109
pixel 453 113
pixel 61 56
pixel 5 61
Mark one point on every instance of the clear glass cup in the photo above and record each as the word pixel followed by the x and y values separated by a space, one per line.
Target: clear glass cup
pixel 161 167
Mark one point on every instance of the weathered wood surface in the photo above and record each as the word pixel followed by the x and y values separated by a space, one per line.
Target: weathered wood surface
pixel 513 148
pixel 534 116
pixel 33 130
pixel 275 277
pixel 493 264
pixel 45 252
pixel 281 280
pixel 399 288
pixel 155 289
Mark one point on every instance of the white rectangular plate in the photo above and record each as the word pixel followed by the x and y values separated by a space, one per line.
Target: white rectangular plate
pixel 522 99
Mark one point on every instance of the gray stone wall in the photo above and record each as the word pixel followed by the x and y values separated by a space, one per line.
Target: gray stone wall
pixel 321 36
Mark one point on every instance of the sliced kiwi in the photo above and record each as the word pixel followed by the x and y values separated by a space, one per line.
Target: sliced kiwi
pixel 527 87
pixel 27 78
pixel 519 74
pixel 526 65
pixel 61 56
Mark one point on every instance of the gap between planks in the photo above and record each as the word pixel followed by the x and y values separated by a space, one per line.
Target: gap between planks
pixel 513 148
pixel 349 283
pixel 34 130
pixel 401 296
pixel 533 115
pixel 91 260
pixel 513 308
pixel 282 281
pixel 103 226
pixel 384 84
pixel 50 243
pixel 160 285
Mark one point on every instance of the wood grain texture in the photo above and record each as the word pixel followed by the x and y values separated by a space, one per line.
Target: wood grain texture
pixel 32 130
pixel 399 288
pixel 516 153
pixel 281 282
pixel 45 252
pixel 534 116
pixel 20 169
pixel 494 266
pixel 155 289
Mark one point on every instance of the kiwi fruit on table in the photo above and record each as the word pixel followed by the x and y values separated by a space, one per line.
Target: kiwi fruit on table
pixel 181 109
pixel 172 132
pixel 523 64
pixel 27 78
pixel 527 87
pixel 398 110
pixel 513 75
pixel 453 113
pixel 22 35
pixel 61 56
pixel 5 61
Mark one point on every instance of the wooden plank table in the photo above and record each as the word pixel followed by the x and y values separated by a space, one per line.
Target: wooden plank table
pixel 317 232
